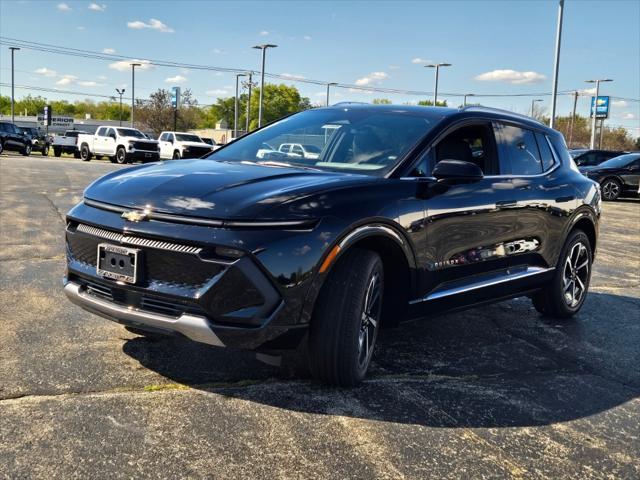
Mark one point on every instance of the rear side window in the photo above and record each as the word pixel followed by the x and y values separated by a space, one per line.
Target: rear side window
pixel 520 148
pixel 101 132
pixel 545 152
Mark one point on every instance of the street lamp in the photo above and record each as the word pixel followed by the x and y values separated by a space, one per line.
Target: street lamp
pixel 120 92
pixel 235 106
pixel 435 90
pixel 329 85
pixel 464 102
pixel 532 103
pixel 264 49
pixel 556 64
pixel 133 90
pixel 13 49
pixel 595 109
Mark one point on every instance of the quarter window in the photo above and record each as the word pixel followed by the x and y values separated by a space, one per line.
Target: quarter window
pixel 520 148
pixel 545 151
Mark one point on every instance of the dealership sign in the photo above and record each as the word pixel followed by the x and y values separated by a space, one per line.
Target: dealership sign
pixel 602 108
pixel 56 121
pixel 175 97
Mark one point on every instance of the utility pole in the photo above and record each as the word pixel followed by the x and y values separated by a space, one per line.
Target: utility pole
pixel 601 133
pixel 573 117
pixel 260 106
pixel 13 50
pixel 592 144
pixel 435 90
pixel 249 85
pixel 133 91
pixel 329 85
pixel 120 92
pixel 235 106
pixel 464 103
pixel 556 64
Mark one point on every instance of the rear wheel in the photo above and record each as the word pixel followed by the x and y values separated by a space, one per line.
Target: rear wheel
pixel 85 153
pixel 121 156
pixel 45 151
pixel 57 152
pixel 346 319
pixel 611 189
pixel 565 294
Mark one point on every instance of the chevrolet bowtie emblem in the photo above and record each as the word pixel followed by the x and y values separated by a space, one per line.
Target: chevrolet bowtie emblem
pixel 134 216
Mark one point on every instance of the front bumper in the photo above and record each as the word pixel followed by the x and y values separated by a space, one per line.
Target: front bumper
pixel 144 155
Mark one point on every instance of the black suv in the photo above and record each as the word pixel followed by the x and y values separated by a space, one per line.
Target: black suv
pixel 406 212
pixel 618 176
pixel 12 139
pixel 590 158
pixel 40 142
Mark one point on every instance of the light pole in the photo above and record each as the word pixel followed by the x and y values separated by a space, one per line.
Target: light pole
pixel 464 103
pixel 329 85
pixel 133 90
pixel 556 64
pixel 13 50
pixel 264 50
pixel 533 103
pixel 435 90
pixel 595 109
pixel 120 92
pixel 235 106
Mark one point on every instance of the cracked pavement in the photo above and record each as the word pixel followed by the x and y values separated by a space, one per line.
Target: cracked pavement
pixel 494 392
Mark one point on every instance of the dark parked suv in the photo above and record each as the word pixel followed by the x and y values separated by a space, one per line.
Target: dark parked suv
pixel 407 211
pixel 40 141
pixel 618 176
pixel 13 139
pixel 590 158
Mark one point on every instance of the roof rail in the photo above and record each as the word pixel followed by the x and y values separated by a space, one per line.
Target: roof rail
pixel 479 108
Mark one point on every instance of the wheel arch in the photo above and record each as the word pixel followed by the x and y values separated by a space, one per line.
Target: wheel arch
pixel 398 261
pixel 586 221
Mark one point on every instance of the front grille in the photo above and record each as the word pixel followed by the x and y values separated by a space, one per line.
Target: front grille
pixel 149 146
pixel 197 152
pixel 169 263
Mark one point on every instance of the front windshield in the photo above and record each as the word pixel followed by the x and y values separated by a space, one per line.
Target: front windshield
pixel 621 161
pixel 367 141
pixel 185 137
pixel 130 132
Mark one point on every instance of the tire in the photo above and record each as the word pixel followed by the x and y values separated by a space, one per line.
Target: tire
pixel 346 319
pixel 85 153
pixel 1 147
pixel 564 296
pixel 121 156
pixel 45 151
pixel 176 155
pixel 611 189
pixel 57 152
pixel 26 151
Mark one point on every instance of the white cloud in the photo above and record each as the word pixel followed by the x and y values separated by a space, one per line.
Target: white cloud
pixel 291 76
pixel 66 80
pixel 307 37
pixel 218 51
pixel 511 76
pixel 618 103
pixel 80 28
pixel 97 7
pixel 176 79
pixel 419 61
pixel 373 77
pixel 628 116
pixel 102 77
pixel 217 92
pixel 264 33
pixel 46 72
pixel 125 65
pixel 587 91
pixel 154 24
pixel 63 7
pixel 88 83
pixel 110 51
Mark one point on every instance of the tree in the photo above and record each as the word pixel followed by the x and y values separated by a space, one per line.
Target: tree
pixel 381 101
pixel 429 103
pixel 612 139
pixel 279 101
pixel 157 114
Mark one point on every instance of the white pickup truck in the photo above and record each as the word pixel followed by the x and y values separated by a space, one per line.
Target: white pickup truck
pixel 176 145
pixel 119 144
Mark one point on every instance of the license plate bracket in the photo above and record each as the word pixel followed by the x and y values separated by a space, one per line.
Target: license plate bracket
pixel 118 263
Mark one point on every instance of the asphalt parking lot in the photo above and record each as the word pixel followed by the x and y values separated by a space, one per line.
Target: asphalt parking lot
pixel 497 392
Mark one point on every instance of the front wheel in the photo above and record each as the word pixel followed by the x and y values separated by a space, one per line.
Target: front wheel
pixel 176 155
pixel 121 156
pixel 564 296
pixel 45 151
pixel 611 189
pixel 346 319
pixel 26 151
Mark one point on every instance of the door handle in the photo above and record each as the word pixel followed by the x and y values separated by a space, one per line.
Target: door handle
pixel 569 198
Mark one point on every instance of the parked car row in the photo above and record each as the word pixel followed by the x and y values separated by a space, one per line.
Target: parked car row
pixel 12 138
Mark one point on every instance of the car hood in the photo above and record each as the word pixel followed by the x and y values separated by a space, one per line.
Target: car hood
pixel 137 139
pixel 217 190
pixel 196 144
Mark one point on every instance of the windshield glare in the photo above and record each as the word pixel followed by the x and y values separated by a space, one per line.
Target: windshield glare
pixel 364 141
pixel 130 132
pixel 184 137
pixel 621 161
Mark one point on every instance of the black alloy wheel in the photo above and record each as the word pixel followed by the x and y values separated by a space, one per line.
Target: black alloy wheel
pixel 611 189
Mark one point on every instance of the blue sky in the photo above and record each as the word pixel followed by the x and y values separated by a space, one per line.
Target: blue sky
pixel 495 47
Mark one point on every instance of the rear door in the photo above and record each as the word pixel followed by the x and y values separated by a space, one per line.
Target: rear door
pixel 109 142
pixel 631 176
pixel 165 146
pixel 98 140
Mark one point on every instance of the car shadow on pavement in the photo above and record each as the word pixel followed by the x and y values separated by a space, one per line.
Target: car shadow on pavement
pixel 498 366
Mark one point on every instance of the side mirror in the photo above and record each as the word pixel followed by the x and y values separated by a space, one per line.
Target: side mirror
pixel 170 140
pixel 113 135
pixel 457 170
